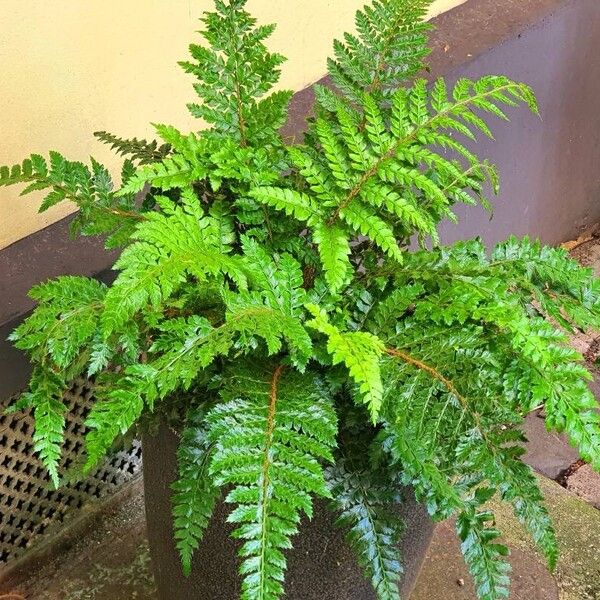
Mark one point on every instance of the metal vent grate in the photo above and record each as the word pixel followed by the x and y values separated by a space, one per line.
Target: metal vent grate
pixel 28 504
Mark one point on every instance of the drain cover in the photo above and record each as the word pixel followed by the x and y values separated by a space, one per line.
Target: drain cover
pixel 28 504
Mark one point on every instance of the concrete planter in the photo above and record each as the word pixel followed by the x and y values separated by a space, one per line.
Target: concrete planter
pixel 320 565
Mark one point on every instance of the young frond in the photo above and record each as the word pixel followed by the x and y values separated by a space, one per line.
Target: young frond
pixel 334 251
pixel 389 49
pixel 235 74
pixel 360 352
pixel 140 151
pixel 270 436
pixel 253 315
pixel 185 347
pixel 278 278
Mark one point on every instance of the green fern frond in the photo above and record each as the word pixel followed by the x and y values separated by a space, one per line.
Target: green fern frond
pixel 180 242
pixel 269 437
pixel 362 221
pixel 289 201
pixel 235 73
pixel 186 346
pixel 279 278
pixel 381 177
pixel 334 250
pixel 174 171
pixel 101 212
pixel 141 151
pixel 573 410
pixel 432 487
pixel 45 393
pixel 485 557
pixel 251 315
pixel 360 352
pixel 23 172
pixel 561 286
pixel 389 49
pixel 366 505
pixel 518 485
pixel 114 415
pixel 194 495
pixel 64 321
pixel 183 348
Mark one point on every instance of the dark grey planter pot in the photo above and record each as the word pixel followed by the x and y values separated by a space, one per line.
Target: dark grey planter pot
pixel 320 566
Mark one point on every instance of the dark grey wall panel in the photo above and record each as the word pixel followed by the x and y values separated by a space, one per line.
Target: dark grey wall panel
pixel 549 167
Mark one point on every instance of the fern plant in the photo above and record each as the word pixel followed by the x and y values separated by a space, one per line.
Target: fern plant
pixel 273 295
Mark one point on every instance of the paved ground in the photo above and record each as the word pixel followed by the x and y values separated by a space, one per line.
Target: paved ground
pixel 108 561
pixel 444 576
pixel 112 562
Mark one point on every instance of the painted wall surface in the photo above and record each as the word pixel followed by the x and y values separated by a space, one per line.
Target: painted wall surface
pixel 70 68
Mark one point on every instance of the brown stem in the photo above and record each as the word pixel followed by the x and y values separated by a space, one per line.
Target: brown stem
pixel 428 369
pixel 451 388
pixel 123 213
pixel 115 211
pixel 266 480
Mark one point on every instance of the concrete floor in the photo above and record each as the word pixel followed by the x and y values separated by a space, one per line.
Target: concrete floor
pixel 108 560
pixel 444 576
pixel 112 561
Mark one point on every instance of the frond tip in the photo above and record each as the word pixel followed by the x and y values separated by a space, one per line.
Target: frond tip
pixel 235 72
pixel 389 49
pixel 141 151
pixel 360 352
pixel 483 554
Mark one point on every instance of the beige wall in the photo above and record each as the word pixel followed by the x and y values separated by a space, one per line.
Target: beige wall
pixel 71 67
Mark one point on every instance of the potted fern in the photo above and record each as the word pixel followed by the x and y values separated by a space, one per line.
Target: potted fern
pixel 270 309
